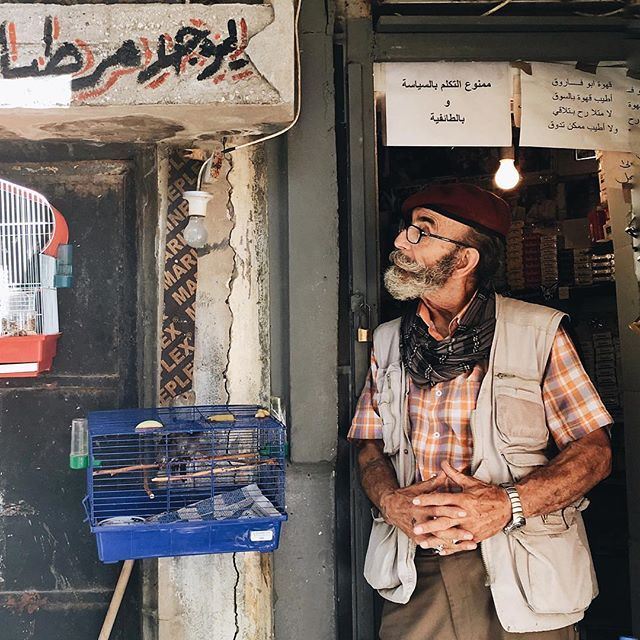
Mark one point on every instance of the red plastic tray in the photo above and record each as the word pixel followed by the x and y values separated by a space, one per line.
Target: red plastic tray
pixel 21 350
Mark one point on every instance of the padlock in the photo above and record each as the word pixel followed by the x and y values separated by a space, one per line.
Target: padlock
pixel 364 332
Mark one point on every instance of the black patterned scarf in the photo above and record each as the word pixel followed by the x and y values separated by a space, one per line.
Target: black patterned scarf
pixel 430 361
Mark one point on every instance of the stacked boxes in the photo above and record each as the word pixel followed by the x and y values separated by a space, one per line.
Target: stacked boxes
pixel 603 267
pixel 599 355
pixel 531 261
pixel 606 378
pixel 582 273
pixel 532 258
pixel 515 256
pixel 549 259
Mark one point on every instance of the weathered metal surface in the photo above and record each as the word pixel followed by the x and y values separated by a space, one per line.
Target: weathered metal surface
pixel 52 585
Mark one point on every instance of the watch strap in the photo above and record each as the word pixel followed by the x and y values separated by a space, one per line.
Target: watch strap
pixel 517 512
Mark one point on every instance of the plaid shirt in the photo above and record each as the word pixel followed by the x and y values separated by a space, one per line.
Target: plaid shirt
pixel 440 415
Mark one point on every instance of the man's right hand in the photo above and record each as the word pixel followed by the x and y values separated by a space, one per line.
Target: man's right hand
pixel 398 509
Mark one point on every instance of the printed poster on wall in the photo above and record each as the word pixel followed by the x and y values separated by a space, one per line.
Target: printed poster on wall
pixel 566 108
pixel 442 104
pixel 180 283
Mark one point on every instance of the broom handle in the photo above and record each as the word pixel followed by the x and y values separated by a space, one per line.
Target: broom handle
pixel 116 600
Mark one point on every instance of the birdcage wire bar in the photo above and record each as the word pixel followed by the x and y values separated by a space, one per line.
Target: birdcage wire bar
pixel 27 225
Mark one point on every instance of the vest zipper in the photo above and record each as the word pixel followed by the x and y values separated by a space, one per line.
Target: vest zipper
pixel 502 376
pixel 489 579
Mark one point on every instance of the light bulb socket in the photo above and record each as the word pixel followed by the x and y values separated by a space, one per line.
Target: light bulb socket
pixel 507 153
pixel 198 202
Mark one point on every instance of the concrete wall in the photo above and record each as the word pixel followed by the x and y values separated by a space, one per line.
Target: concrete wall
pixel 304 265
pixel 231 593
pixel 144 72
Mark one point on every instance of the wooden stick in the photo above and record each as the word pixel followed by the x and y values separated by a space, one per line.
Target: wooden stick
pixel 147 488
pixel 215 471
pixel 142 467
pixel 117 470
pixel 116 600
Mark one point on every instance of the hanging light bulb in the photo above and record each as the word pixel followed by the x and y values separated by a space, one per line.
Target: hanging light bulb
pixel 195 233
pixel 507 176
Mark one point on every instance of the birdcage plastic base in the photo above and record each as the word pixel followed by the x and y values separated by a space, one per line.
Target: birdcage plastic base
pixel 27 356
pixel 134 542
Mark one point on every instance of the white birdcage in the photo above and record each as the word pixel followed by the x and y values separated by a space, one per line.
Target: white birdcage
pixel 35 260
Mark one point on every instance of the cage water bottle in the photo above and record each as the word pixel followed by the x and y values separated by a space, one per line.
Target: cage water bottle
pixel 79 454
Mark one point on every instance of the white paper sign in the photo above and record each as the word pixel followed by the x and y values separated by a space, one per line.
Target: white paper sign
pixel 35 93
pixel 566 108
pixel 436 104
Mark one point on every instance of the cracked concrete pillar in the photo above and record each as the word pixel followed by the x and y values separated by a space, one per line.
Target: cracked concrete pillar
pixel 227 596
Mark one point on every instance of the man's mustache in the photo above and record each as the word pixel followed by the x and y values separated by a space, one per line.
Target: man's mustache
pixel 404 262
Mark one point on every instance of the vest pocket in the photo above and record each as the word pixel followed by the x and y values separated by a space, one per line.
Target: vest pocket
pixel 381 561
pixel 553 563
pixel 387 381
pixel 520 417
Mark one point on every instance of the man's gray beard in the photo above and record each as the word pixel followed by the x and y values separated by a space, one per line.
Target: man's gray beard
pixel 407 280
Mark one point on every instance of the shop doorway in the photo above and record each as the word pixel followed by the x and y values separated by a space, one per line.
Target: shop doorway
pixel 373 181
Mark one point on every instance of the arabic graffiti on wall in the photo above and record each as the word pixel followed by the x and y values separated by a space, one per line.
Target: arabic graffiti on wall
pixel 214 56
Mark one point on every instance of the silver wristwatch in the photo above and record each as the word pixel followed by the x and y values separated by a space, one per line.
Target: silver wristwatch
pixel 517 513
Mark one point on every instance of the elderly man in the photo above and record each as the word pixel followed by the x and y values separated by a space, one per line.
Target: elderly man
pixel 478 533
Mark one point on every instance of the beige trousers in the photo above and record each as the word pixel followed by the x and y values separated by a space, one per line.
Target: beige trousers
pixel 451 602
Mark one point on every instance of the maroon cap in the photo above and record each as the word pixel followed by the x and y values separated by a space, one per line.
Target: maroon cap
pixel 465 203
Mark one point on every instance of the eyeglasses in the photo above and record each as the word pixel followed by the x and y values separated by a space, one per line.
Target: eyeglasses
pixel 414 234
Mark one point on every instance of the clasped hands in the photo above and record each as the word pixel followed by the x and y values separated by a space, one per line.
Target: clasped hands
pixel 435 516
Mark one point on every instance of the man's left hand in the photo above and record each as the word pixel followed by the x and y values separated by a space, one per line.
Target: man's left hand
pixel 487 506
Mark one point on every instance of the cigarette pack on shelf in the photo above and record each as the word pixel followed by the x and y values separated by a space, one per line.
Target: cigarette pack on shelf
pixel 603 267
pixel 583 274
pixel 549 259
pixel 565 266
pixel 185 481
pixel 606 374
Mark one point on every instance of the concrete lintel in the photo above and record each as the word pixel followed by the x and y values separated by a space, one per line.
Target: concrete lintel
pixel 145 72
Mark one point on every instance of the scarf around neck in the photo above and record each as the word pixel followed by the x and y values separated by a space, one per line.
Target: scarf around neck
pixel 430 361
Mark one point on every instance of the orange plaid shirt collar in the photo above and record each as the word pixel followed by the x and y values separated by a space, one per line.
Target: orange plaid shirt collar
pixel 425 315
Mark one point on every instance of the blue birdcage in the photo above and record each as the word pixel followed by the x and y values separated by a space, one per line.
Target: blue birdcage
pixel 185 480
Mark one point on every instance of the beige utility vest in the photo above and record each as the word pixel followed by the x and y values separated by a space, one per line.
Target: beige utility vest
pixel 541 576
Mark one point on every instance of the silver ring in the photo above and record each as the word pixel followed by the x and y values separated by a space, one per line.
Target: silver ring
pixel 439 549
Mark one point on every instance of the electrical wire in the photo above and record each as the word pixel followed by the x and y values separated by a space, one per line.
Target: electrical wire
pixel 496 8
pixel 206 163
pixel 600 15
pixel 296 36
pixel 296 40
